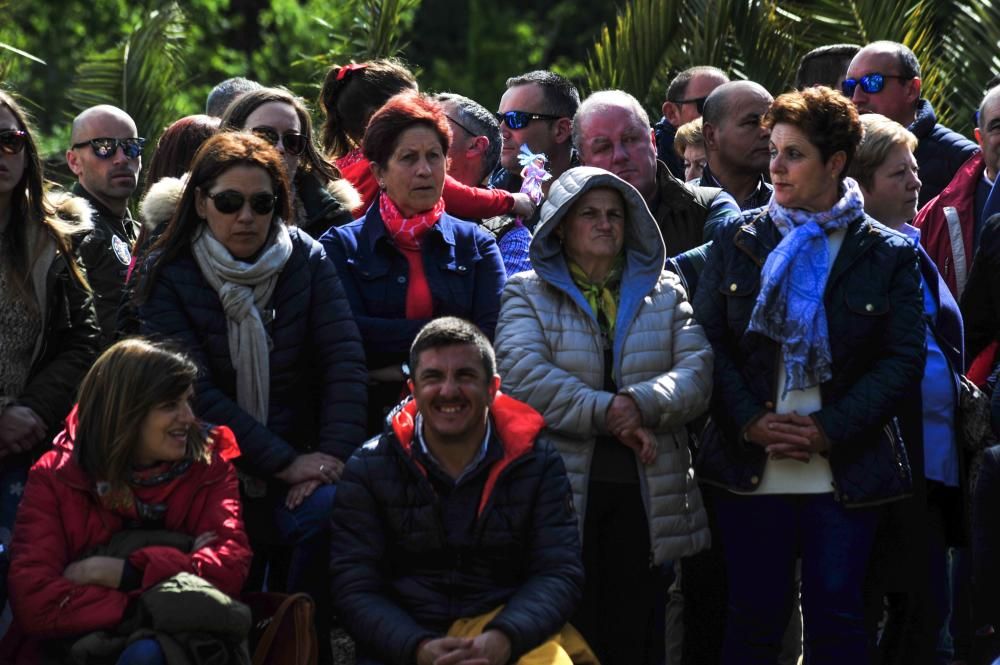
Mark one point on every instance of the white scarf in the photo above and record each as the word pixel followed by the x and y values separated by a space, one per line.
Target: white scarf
pixel 244 289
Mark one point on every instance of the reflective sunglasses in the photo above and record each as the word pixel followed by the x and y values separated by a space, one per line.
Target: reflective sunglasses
pixel 294 142
pixel 521 119
pixel 230 201
pixel 871 83
pixel 12 141
pixel 105 148
pixel 699 103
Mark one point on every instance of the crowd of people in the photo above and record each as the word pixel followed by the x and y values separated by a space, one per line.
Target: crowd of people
pixel 552 384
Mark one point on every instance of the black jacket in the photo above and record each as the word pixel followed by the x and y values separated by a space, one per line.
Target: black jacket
pixel 874 314
pixel 318 377
pixel 986 556
pixel 940 151
pixel 397 578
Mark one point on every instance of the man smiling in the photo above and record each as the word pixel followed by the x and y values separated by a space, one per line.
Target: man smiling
pixel 454 534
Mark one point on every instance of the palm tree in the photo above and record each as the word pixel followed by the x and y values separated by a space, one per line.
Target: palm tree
pixel 762 40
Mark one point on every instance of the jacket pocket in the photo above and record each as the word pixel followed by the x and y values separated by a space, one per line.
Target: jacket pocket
pixel 740 293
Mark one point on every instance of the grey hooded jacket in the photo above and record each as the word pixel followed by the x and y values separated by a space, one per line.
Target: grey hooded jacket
pixel 550 354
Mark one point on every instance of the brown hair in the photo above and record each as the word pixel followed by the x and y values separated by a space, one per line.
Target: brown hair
pixel 399 114
pixel 235 118
pixel 689 134
pixel 827 118
pixel 30 205
pixel 128 381
pixel 216 156
pixel 178 145
pixel 352 93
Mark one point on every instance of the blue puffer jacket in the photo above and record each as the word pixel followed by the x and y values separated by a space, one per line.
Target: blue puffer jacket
pixel 462 264
pixel 874 314
pixel 940 151
pixel 400 580
pixel 318 377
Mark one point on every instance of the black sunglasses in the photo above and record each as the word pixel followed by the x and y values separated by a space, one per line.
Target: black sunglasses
pixel 521 119
pixel 294 142
pixel 12 141
pixel 871 83
pixel 105 148
pixel 463 127
pixel 699 102
pixel 230 201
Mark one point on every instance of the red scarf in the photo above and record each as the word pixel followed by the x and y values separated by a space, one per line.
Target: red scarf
pixel 407 233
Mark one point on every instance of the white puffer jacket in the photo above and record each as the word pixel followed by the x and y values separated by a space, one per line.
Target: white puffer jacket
pixel 550 355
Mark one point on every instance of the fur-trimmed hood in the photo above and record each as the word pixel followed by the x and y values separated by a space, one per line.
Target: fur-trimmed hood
pixel 342 190
pixel 73 214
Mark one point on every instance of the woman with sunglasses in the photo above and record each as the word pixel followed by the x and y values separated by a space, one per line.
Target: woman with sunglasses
pixel 261 310
pixel 814 312
pixel 407 260
pixel 351 94
pixel 321 198
pixel 134 491
pixel 48 326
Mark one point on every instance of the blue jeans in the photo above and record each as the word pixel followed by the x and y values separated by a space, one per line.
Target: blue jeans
pixel 762 537
pixel 143 652
pixel 308 529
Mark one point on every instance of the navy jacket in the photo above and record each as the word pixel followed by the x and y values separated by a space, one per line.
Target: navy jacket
pixel 462 264
pixel 940 151
pixel 399 579
pixel 878 343
pixel 318 376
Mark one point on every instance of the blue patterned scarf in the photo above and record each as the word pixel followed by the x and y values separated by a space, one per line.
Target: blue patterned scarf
pixel 789 307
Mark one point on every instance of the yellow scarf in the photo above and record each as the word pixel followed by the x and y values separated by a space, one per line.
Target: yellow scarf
pixel 601 296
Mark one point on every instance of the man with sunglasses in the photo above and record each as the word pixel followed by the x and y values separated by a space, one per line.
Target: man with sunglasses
pixel 884 77
pixel 536 110
pixel 685 102
pixel 105 155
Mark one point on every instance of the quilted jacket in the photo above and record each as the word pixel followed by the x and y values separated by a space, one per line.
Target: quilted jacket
pixel 874 312
pixel 550 353
pixel 318 377
pixel 397 578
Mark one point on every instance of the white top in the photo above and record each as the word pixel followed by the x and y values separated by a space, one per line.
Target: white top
pixel 789 476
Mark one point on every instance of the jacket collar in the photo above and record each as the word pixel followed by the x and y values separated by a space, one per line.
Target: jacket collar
pixel 924 119
pixel 515 424
pixel 102 210
pixel 963 185
pixel 373 229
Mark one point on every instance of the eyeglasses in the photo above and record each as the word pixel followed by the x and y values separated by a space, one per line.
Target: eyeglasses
pixel 521 119
pixel 294 142
pixel 461 126
pixel 230 201
pixel 106 148
pixel 871 83
pixel 699 102
pixel 12 141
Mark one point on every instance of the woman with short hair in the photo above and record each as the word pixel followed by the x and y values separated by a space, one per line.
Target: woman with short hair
pixel 135 491
pixel 407 260
pixel 814 313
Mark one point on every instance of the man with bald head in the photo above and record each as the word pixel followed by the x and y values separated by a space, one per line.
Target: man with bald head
pixel 736 143
pixel 105 155
pixel 611 131
pixel 684 102
pixel 884 77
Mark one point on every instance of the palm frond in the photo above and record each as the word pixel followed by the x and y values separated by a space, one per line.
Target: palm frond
pixel 141 75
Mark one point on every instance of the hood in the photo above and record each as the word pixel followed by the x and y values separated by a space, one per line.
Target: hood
pixel 643 242
pixel 342 190
pixel 159 203
pixel 924 120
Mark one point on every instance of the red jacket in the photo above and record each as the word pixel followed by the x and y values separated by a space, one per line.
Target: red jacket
pixel 60 519
pixel 935 236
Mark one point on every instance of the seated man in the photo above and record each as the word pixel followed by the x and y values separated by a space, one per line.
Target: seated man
pixel 454 532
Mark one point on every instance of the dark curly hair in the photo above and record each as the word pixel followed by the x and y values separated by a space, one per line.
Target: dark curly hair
pixel 827 118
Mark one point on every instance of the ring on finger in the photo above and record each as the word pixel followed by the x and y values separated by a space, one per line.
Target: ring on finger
pixel 322 468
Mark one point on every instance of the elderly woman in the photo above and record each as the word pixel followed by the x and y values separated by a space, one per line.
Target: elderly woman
pixel 814 313
pixel 600 339
pixel 321 198
pixel 134 492
pixel 408 261
pixel 912 563
pixel 262 311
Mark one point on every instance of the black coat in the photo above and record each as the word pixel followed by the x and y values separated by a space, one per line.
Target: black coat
pixel 874 314
pixel 397 578
pixel 318 376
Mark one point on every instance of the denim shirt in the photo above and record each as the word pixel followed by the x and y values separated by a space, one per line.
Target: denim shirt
pixel 462 264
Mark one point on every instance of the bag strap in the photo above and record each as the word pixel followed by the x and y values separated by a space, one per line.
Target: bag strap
pixel 301 603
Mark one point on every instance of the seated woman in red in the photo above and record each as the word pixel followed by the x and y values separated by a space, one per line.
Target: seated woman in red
pixel 132 458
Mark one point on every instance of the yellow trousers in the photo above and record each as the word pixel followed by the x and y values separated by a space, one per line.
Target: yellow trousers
pixel 567 647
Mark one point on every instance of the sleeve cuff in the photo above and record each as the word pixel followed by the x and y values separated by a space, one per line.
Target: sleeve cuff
pixel 131 577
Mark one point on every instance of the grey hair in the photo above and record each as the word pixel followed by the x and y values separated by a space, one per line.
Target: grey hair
pixel 604 99
pixel 477 118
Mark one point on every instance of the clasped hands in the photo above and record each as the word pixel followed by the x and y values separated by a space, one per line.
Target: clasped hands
pixel 491 647
pixel 788 436
pixel 624 422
